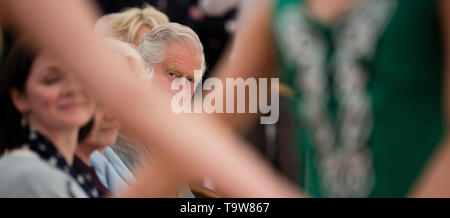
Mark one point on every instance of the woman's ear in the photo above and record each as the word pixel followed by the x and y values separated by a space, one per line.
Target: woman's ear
pixel 19 100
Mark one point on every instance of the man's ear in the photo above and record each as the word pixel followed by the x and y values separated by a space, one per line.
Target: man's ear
pixel 19 100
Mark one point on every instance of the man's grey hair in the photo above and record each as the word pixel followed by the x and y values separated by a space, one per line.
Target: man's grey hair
pixel 154 44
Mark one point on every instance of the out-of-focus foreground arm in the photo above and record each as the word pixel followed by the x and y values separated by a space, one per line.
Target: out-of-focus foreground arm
pixel 251 55
pixel 435 181
pixel 65 28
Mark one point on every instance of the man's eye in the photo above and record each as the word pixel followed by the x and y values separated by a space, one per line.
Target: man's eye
pixel 172 74
pixel 190 80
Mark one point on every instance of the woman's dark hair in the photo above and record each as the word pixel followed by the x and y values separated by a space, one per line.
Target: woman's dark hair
pixel 86 130
pixel 15 73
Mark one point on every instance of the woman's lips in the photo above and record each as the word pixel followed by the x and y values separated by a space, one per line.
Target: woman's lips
pixel 72 105
pixel 108 129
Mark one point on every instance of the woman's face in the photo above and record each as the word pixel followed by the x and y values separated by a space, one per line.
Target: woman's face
pixel 105 130
pixel 53 98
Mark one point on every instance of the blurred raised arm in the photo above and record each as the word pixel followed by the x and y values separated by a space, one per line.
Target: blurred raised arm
pixel 435 181
pixel 250 55
pixel 66 29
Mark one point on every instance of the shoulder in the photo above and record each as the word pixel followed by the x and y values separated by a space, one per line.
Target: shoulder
pixel 128 152
pixel 118 165
pixel 98 160
pixel 24 174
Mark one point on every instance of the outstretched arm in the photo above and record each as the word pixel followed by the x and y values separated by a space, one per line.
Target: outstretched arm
pixel 436 178
pixel 65 28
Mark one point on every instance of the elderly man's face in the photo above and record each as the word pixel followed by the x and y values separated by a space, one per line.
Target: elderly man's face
pixel 181 62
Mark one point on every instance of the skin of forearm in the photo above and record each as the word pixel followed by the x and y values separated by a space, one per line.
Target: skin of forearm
pixel 65 28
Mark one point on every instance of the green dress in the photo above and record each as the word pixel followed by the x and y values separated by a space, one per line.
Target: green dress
pixel 369 94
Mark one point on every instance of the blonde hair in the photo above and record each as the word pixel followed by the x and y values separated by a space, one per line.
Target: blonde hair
pixel 126 24
pixel 130 53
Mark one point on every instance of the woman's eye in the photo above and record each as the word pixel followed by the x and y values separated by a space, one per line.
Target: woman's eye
pixel 171 74
pixel 51 80
pixel 190 80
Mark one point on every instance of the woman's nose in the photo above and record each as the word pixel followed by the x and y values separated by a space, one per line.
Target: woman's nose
pixel 73 87
pixel 108 116
pixel 72 84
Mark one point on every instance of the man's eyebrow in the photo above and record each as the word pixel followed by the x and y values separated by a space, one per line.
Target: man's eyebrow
pixel 175 70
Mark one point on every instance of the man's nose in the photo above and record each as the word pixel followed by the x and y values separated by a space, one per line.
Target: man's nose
pixel 181 83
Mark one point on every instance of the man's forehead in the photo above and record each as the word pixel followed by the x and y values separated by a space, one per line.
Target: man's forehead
pixel 182 61
pixel 176 64
pixel 182 46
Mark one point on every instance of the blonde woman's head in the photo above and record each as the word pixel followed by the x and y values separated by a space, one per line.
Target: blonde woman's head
pixel 131 25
